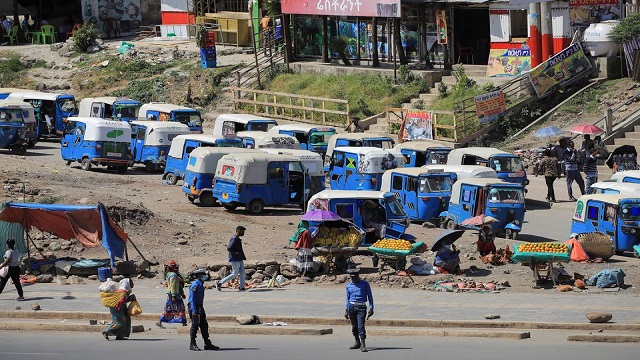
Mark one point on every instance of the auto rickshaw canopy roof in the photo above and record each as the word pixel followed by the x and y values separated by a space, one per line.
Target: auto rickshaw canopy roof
pixel 249 168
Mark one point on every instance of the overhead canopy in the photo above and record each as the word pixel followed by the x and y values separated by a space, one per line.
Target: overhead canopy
pixel 91 225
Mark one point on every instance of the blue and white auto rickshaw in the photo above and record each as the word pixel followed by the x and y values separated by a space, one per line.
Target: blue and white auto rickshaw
pixel 230 124
pixel 424 152
pixel 181 147
pixel 151 141
pixel 257 180
pixel 159 111
pixel 610 187
pixel 628 176
pixel 311 137
pixel 424 193
pixel 352 205
pixel 616 215
pixel 4 92
pixel 28 118
pixel 12 130
pixel 110 107
pixel 508 166
pixel 465 171
pixel 357 140
pixel 312 163
pixel 479 197
pixel 201 170
pixel 51 110
pixel 93 141
pixel 361 168
pixel 267 140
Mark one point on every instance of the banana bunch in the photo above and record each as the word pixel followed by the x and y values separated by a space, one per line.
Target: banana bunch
pixel 336 237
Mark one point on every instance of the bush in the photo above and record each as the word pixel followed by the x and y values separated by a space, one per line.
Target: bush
pixel 627 30
pixel 85 37
pixel 339 45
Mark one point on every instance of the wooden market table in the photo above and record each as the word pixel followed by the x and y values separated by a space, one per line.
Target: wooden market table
pixel 541 262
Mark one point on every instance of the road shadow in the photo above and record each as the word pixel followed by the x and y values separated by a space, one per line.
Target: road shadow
pixel 38 298
pixel 265 289
pixel 388 348
pixel 138 339
pixel 237 349
pixel 31 153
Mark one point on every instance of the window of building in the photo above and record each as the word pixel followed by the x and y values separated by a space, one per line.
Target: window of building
pixel 234 5
pixel 519 24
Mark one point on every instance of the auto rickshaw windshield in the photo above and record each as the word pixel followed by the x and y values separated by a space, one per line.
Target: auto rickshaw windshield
pixel 193 119
pixel 507 164
pixel 507 195
pixel 13 116
pixel 382 144
pixel 126 111
pixel 435 183
pixel 395 206
pixel 66 105
pixel 630 212
pixel 321 138
pixel 440 156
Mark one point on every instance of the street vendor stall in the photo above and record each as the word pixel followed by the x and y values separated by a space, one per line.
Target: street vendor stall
pixel 541 257
pixel 394 253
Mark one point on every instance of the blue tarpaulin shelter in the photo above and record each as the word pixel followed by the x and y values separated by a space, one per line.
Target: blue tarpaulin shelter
pixel 90 225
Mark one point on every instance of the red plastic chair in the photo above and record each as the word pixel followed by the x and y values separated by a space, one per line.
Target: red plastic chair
pixel 75 27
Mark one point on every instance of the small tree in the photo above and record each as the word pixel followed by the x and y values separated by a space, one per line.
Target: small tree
pixel 85 37
pixel 627 30
pixel 339 45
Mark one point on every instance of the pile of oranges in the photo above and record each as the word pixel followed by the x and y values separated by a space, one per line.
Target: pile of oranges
pixel 393 244
pixel 546 247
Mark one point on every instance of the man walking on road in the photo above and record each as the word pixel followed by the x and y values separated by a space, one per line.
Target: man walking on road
pixel 358 292
pixel 197 313
pixel 571 165
pixel 236 258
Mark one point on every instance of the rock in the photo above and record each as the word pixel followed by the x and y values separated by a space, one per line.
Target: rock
pixel 183 242
pixel 216 266
pixel 99 41
pixel 341 279
pixel 137 328
pixel 126 268
pixel 104 63
pixel 223 272
pixel 54 246
pixel 249 272
pixel 492 316
pixel 271 262
pixel 248 319
pixel 93 322
pixel 35 307
pixel 142 266
pixel 598 317
pixel 259 277
pixel 91 50
pixel 41 86
pixel 45 278
pixel 103 322
pixel 92 277
pixel 288 270
pixel 272 270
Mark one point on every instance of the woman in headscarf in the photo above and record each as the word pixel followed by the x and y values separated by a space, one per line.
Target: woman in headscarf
pixel 120 319
pixel 174 309
pixel 448 260
pixel 303 245
pixel 485 243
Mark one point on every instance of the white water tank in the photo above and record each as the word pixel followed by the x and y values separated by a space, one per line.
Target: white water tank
pixel 596 39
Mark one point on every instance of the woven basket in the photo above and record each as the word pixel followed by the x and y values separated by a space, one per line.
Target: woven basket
pixel 596 244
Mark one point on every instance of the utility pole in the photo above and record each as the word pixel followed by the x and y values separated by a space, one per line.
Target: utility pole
pixel 534 34
pixel 547 34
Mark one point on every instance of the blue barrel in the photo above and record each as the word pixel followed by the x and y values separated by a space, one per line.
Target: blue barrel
pixel 104 273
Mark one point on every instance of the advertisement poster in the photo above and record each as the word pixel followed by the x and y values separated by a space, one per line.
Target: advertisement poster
pixel 508 62
pixel 490 106
pixel 417 125
pixel 586 12
pixel 441 26
pixel 364 8
pixel 559 70
pixel 113 18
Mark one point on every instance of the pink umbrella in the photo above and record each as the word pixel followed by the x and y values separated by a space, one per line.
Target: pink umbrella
pixel 479 220
pixel 587 129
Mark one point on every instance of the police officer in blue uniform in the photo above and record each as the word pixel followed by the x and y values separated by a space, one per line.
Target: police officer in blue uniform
pixel 358 293
pixel 197 314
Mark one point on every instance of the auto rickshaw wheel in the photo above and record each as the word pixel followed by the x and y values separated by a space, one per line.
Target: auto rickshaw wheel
pixel 230 207
pixel 449 224
pixel 171 179
pixel 207 199
pixel 122 170
pixel 31 143
pixel 191 198
pixel 511 234
pixel 149 166
pixel 19 150
pixel 85 164
pixel 68 162
pixel 255 207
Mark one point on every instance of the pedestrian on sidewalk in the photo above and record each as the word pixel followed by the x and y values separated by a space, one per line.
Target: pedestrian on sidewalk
pixel 174 309
pixel 304 244
pixel 549 167
pixel 591 169
pixel 120 318
pixel 558 151
pixel 571 167
pixel 358 293
pixel 12 264
pixel 197 314
pixel 236 258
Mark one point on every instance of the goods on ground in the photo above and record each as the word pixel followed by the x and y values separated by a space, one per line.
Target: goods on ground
pixel 546 247
pixel 337 237
pixel 393 244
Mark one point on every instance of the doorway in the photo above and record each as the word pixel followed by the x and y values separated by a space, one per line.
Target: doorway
pixel 471 35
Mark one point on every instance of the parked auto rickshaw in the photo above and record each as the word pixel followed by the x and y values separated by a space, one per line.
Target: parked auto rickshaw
pixel 201 170
pixel 424 152
pixel 230 124
pixel 151 141
pixel 312 163
pixel 361 168
pixel 357 140
pixel 28 118
pixel 352 205
pixel 92 141
pixel 12 130
pixel 257 180
pixel 311 137
pixel 424 193
pixel 159 111
pixel 610 187
pixel 465 171
pixel 498 199
pixel 51 110
pixel 110 107
pixel 181 147
pixel 616 215
pixel 508 166
pixel 628 176
pixel 267 140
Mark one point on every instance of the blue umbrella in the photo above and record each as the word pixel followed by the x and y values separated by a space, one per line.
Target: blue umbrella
pixel 548 131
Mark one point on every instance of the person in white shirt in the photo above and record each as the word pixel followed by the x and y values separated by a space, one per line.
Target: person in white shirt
pixel 12 261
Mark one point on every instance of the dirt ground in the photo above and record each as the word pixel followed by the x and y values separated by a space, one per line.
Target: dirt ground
pixel 164 225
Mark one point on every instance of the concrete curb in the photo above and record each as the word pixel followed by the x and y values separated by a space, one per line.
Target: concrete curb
pixel 605 338
pixel 514 335
pixel 300 320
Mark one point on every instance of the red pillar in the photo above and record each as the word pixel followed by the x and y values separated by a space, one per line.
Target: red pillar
pixel 534 34
pixel 545 27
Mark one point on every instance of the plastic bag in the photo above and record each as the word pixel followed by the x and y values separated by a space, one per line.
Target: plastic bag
pixel 134 308
pixel 108 286
pixel 124 47
pixel 4 272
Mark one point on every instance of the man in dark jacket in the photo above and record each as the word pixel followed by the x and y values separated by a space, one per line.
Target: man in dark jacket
pixel 197 313
pixel 236 258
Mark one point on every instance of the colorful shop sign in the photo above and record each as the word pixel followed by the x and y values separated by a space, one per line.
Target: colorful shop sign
pixel 508 62
pixel 363 8
pixel 490 106
pixel 562 68
pixel 586 12
pixel 417 125
pixel 113 18
pixel 441 26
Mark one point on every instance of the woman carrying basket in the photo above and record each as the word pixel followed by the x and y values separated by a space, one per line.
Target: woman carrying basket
pixel 120 319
